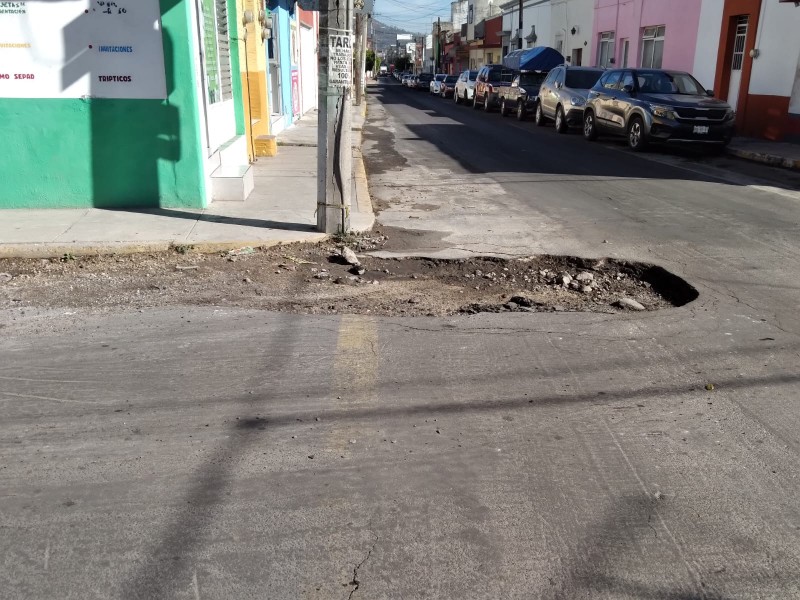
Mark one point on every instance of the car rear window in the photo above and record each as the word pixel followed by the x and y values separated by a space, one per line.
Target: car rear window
pixel 582 80
pixel 473 75
pixel 451 79
pixel 494 75
pixel 532 79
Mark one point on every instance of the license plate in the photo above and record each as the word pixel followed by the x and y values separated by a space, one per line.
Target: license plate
pixel 701 129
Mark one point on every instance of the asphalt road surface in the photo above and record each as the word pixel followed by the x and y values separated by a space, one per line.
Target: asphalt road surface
pixel 222 453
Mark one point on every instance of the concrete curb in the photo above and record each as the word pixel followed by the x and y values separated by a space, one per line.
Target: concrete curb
pixel 364 219
pixel 55 250
pixel 772 160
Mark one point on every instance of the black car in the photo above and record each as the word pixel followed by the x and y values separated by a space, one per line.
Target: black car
pixel 424 81
pixel 654 105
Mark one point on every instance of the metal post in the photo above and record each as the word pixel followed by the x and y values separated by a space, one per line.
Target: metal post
pixel 359 51
pixel 438 44
pixel 519 41
pixel 334 151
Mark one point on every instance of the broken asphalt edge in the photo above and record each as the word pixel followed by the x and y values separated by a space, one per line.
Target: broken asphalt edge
pixel 360 222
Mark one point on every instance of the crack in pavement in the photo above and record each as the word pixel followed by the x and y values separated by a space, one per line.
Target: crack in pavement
pixel 356 582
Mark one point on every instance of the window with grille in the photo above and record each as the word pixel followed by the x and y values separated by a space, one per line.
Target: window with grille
pixel 739 42
pixel 653 47
pixel 217 46
pixel 605 52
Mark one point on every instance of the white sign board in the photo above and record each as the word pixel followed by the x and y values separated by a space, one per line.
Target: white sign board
pixel 81 48
pixel 340 60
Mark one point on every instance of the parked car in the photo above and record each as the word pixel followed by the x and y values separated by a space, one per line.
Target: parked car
pixel 404 79
pixel 522 95
pixel 563 94
pixel 465 87
pixel 423 81
pixel 437 80
pixel 448 86
pixel 654 105
pixel 487 85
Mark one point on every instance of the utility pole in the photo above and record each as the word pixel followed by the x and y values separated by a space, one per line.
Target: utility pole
pixel 362 56
pixel 334 147
pixel 438 44
pixel 359 63
pixel 519 41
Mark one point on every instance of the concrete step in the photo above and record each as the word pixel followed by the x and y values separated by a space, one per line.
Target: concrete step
pixel 266 145
pixel 232 183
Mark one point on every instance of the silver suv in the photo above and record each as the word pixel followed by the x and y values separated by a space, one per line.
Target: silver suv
pixel 563 96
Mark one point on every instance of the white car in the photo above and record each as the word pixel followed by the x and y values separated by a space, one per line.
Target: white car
pixel 465 87
pixel 435 84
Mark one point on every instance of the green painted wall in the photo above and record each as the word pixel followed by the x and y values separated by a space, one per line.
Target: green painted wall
pixel 238 99
pixel 110 153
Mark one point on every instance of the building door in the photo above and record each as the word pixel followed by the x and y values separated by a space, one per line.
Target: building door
pixel 274 59
pixel 737 59
pixel 217 81
pixel 308 68
pixel 577 57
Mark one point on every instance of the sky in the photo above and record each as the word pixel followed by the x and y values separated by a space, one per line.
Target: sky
pixel 416 16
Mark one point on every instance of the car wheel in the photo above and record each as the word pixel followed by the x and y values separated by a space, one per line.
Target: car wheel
pixel 520 110
pixel 487 106
pixel 456 97
pixel 589 126
pixel 637 139
pixel 503 108
pixel 475 101
pixel 539 116
pixel 561 121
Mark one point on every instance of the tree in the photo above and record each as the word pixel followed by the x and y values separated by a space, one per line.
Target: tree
pixel 370 64
pixel 402 63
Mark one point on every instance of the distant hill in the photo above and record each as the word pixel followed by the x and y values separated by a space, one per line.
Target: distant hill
pixel 386 35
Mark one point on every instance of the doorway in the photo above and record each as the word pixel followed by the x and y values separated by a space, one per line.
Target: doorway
pixel 217 77
pixel 737 59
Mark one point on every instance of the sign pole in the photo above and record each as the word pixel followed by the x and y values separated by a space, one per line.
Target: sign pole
pixel 334 147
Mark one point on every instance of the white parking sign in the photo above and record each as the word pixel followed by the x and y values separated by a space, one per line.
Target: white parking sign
pixel 340 60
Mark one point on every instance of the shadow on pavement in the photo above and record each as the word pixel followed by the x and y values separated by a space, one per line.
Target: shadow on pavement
pixel 211 218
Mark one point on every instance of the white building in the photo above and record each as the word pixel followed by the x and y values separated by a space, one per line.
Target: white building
pixel 750 50
pixel 458 14
pixel 571 29
pixel 536 24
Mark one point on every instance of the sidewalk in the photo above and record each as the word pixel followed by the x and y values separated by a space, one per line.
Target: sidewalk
pixel 776 154
pixel 281 209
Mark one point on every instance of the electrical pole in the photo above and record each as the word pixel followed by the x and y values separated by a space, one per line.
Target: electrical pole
pixel 359 50
pixel 519 41
pixel 438 44
pixel 334 146
pixel 362 55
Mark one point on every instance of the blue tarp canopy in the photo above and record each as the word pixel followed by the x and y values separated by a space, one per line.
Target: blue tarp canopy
pixel 541 58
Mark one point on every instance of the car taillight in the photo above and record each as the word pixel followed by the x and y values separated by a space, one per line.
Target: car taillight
pixel 490 88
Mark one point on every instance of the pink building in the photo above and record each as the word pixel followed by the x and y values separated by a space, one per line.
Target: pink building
pixel 645 33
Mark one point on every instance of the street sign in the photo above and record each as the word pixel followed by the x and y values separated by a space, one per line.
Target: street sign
pixel 340 60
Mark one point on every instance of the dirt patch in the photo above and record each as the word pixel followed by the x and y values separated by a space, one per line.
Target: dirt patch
pixel 306 278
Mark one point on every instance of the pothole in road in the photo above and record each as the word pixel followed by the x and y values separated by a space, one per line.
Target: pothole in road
pixel 314 278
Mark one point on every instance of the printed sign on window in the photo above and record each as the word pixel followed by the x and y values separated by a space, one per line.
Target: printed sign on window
pixel 81 48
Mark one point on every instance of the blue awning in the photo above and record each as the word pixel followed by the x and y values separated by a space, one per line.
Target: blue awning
pixel 541 58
